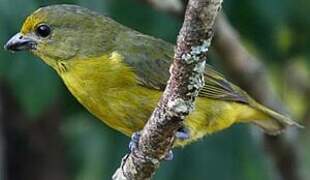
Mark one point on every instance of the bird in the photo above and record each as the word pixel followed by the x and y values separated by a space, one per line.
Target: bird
pixel 118 74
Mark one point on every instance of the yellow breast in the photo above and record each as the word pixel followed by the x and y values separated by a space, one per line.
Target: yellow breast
pixel 108 89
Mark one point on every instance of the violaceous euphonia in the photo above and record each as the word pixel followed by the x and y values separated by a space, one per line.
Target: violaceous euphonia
pixel 118 74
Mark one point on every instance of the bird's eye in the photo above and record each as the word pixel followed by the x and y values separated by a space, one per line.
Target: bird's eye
pixel 43 30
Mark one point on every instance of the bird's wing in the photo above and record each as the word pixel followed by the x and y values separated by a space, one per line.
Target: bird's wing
pixel 217 87
pixel 150 58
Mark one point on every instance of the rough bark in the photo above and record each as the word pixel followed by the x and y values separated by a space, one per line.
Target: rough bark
pixel 177 101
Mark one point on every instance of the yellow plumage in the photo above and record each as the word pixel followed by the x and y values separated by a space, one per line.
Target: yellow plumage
pixel 110 92
pixel 118 74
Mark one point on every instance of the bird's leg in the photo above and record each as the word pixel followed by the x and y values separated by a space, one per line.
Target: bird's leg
pixel 182 134
pixel 133 144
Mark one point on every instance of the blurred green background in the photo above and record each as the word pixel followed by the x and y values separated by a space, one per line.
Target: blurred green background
pixel 46 135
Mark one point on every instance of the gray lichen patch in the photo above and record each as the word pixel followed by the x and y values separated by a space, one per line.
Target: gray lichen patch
pixel 197 52
pixel 203 48
pixel 196 80
pixel 200 67
pixel 179 107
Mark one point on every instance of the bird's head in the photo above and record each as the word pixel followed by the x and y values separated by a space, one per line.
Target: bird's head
pixel 63 32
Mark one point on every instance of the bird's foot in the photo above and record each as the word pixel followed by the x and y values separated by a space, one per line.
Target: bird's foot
pixel 169 156
pixel 182 134
pixel 134 143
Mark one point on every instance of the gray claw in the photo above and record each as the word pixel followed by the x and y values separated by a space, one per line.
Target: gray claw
pixel 182 134
pixel 133 144
pixel 169 156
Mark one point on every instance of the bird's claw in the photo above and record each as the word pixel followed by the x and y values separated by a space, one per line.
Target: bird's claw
pixel 133 144
pixel 182 134
pixel 169 156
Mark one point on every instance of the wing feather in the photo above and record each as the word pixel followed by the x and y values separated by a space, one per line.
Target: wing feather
pixel 150 58
pixel 217 87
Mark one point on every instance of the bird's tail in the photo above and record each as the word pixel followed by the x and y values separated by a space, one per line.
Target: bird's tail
pixel 274 123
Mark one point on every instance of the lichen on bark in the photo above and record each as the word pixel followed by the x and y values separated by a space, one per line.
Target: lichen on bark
pixel 177 101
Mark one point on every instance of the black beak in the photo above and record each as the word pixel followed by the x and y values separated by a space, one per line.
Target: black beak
pixel 19 43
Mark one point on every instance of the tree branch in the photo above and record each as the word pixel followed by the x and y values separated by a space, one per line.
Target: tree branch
pixel 177 101
pixel 246 69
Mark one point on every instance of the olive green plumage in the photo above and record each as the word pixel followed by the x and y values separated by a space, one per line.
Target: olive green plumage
pixel 118 74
